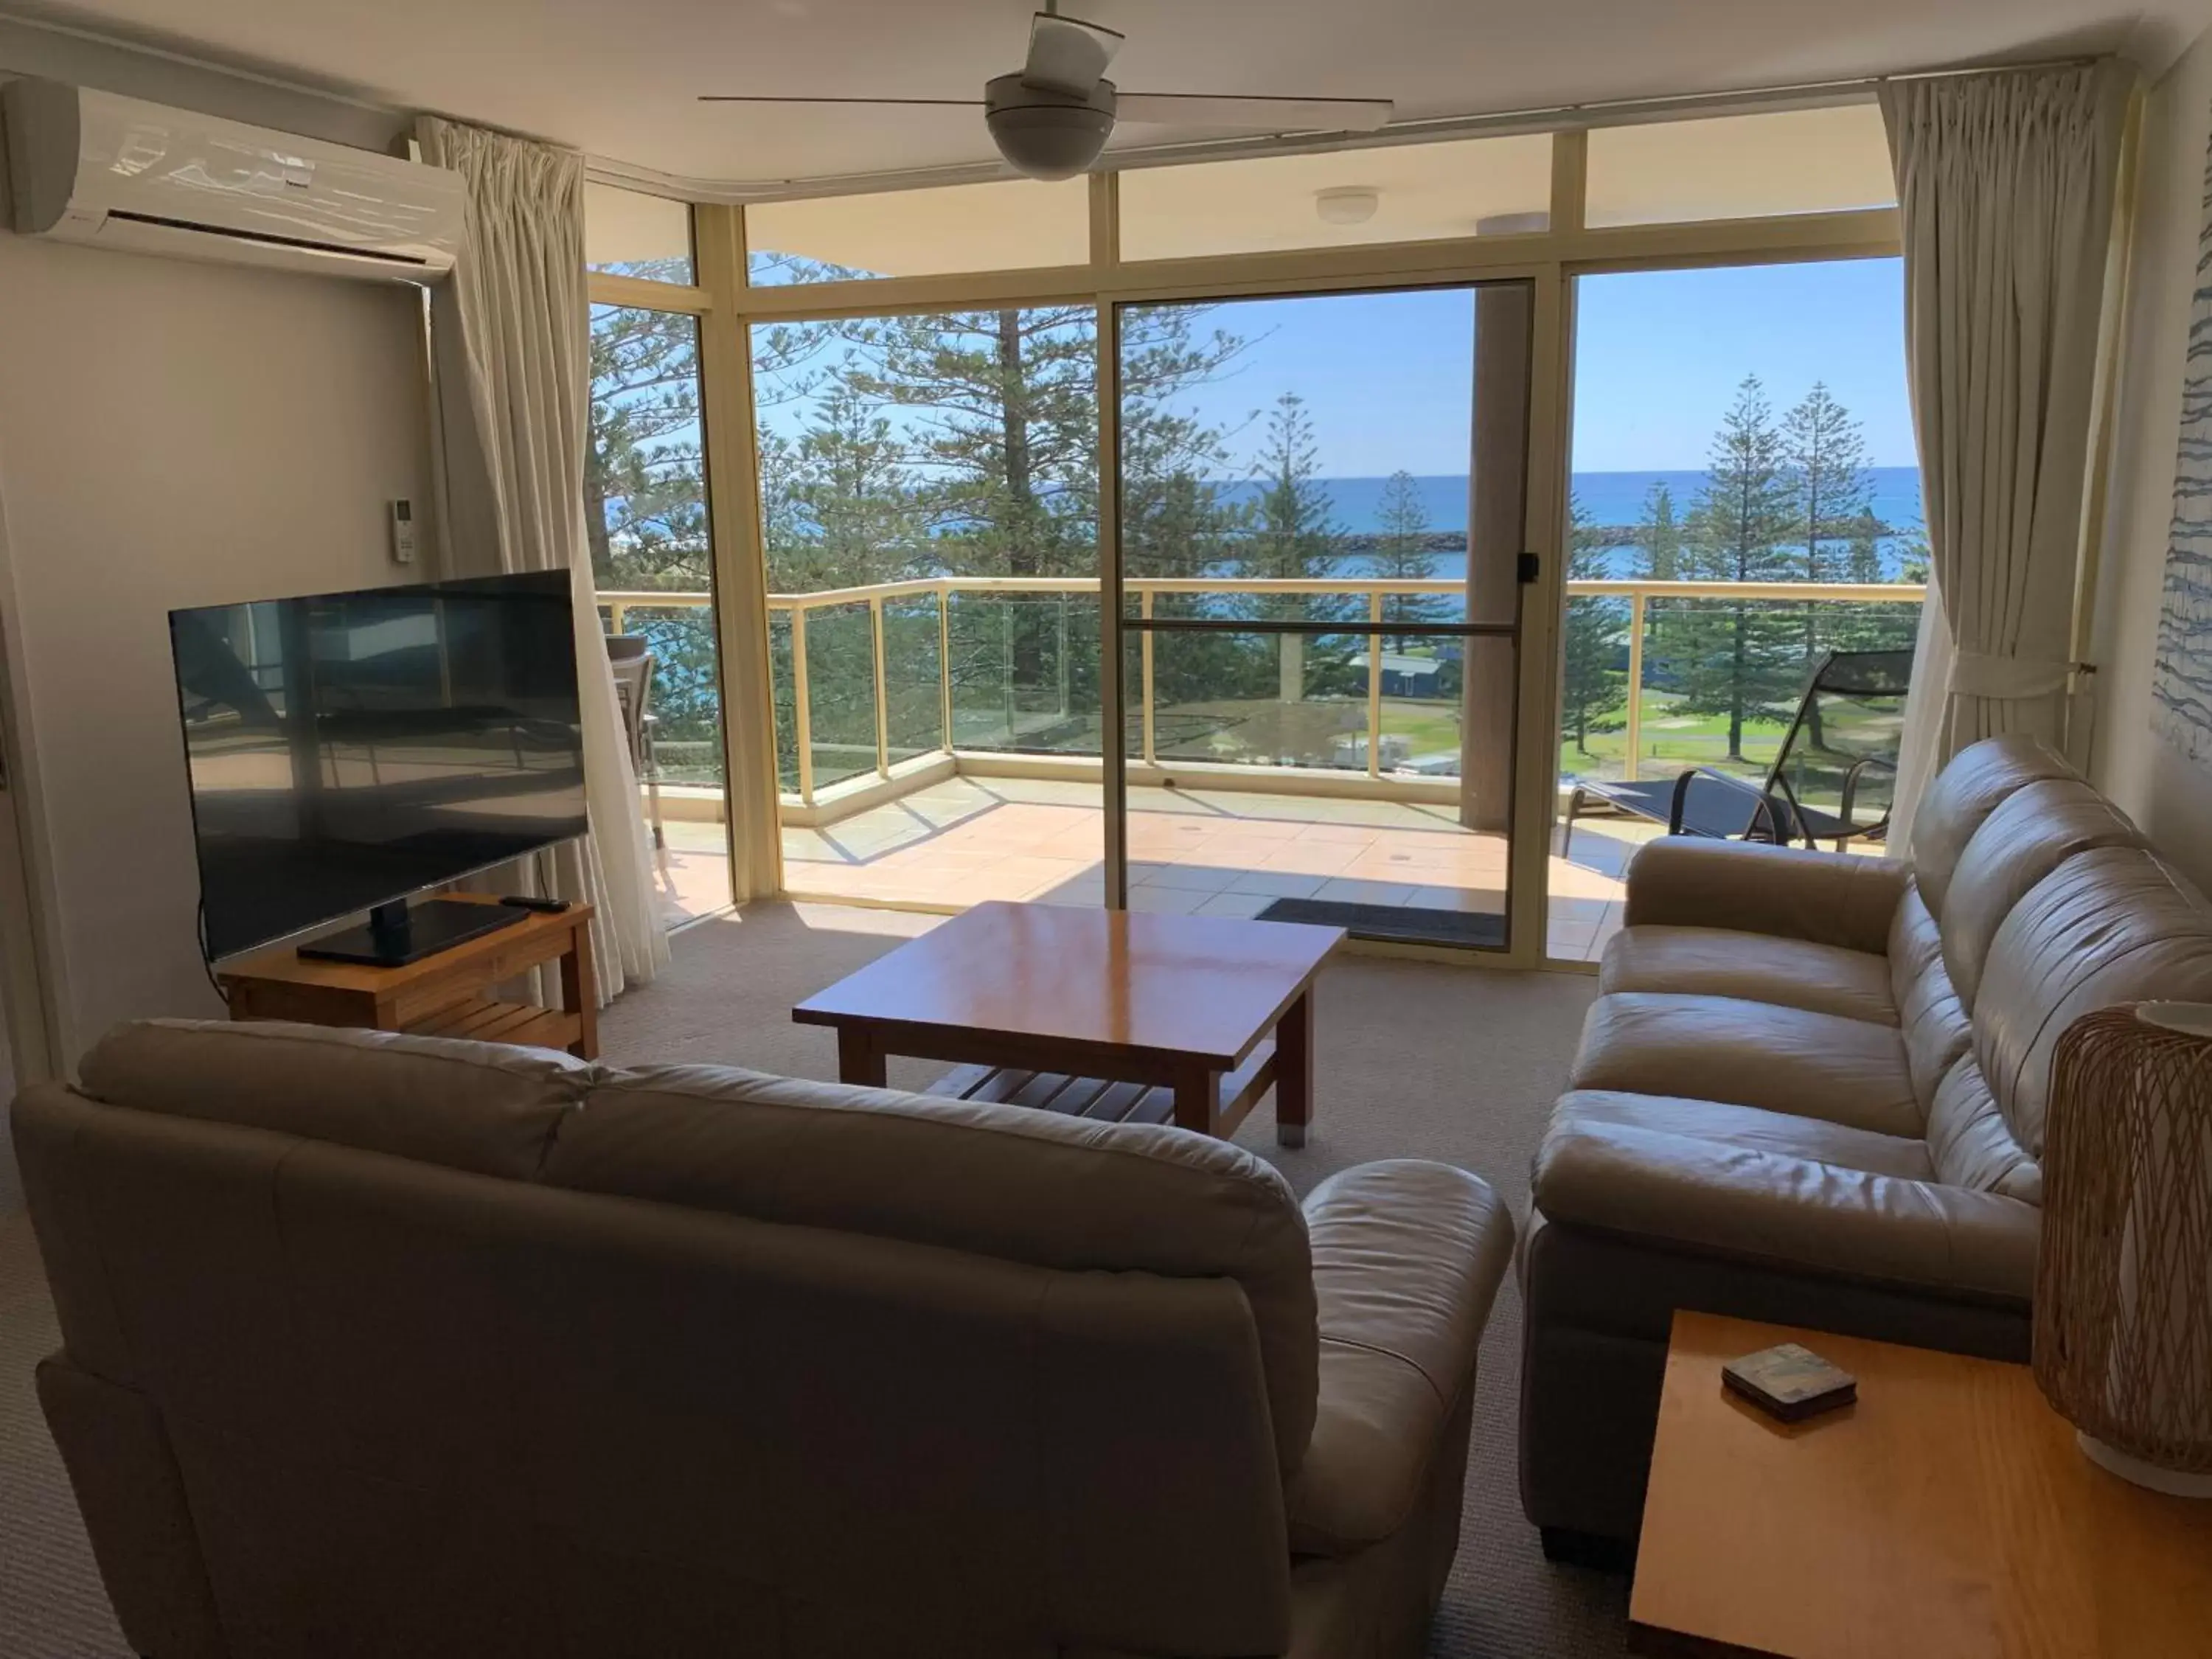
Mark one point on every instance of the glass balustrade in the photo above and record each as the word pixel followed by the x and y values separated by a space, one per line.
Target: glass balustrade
pixel 991 666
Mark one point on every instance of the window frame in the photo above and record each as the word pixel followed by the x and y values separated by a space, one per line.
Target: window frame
pixel 729 308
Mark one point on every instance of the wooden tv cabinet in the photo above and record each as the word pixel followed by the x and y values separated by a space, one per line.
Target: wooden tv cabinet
pixel 448 994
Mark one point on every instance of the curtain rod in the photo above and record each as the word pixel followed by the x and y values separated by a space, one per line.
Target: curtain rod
pixel 1785 92
pixel 1613 112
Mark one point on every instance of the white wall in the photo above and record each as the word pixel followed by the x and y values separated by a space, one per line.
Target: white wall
pixel 27 48
pixel 172 434
pixel 2169 796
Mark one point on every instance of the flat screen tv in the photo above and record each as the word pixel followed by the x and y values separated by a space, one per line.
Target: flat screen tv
pixel 349 749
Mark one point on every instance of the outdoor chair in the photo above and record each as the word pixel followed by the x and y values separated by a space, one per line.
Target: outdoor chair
pixel 1844 735
pixel 632 664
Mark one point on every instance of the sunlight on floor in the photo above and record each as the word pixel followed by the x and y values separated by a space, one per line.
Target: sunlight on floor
pixel 1205 852
pixel 1196 852
pixel 1586 886
pixel 691 874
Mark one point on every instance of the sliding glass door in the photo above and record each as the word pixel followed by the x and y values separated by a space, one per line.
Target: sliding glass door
pixel 1320 528
pixel 929 489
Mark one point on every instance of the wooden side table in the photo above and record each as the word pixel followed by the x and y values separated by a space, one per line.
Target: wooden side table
pixel 1947 1512
pixel 443 995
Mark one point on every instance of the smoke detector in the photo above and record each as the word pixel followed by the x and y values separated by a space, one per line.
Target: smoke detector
pixel 1347 204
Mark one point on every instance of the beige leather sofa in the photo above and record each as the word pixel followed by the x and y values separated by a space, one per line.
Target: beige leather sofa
pixel 382 1345
pixel 1813 1091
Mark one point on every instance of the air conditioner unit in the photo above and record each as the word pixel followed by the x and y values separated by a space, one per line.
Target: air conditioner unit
pixel 89 167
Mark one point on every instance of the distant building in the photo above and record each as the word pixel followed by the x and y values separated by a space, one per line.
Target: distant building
pixel 1402 676
pixel 1349 752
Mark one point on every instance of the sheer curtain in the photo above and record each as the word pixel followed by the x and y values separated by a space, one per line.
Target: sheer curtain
pixel 2005 189
pixel 510 331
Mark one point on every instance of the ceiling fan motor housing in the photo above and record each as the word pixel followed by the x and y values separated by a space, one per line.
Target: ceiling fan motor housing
pixel 1044 133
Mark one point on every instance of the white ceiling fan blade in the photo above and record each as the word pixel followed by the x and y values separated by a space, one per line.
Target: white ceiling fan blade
pixel 1232 112
pixel 801 98
pixel 1067 54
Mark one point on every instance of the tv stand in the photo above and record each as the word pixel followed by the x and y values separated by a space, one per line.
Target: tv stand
pixel 398 933
pixel 450 992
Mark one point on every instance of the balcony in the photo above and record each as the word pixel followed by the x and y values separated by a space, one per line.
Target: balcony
pixel 939 743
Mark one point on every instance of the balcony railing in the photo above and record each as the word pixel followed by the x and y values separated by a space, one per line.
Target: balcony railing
pixel 896 722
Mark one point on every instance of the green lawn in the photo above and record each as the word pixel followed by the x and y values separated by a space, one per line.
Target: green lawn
pixel 1431 728
pixel 1671 741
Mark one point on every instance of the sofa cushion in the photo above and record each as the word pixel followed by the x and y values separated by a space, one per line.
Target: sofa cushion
pixel 1842 899
pixel 1687 1192
pixel 2027 837
pixel 1978 779
pixel 1810 1138
pixel 1850 1072
pixel 2117 924
pixel 483 1107
pixel 1934 1025
pixel 1720 961
pixel 1035 1187
pixel 1970 1143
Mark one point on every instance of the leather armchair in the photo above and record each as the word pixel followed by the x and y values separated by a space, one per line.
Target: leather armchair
pixel 380 1344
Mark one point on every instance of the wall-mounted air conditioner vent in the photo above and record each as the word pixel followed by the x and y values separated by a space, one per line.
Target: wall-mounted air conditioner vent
pixel 89 167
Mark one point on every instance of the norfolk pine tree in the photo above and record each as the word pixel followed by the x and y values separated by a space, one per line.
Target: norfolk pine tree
pixel 1738 657
pixel 1294 537
pixel 1826 451
pixel 644 500
pixel 1401 551
pixel 1593 681
pixel 987 424
pixel 1659 544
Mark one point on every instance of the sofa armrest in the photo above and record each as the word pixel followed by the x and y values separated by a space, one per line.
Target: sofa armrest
pixel 1408 1256
pixel 1791 1213
pixel 1789 892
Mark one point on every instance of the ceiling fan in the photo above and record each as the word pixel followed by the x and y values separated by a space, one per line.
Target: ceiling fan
pixel 1051 117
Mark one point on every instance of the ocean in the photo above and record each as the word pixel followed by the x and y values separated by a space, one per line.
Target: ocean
pixel 1607 498
pixel 1613 499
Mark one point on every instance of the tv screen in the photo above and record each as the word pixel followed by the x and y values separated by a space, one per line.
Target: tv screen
pixel 348 748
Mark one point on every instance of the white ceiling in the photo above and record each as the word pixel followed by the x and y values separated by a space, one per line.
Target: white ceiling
pixel 618 78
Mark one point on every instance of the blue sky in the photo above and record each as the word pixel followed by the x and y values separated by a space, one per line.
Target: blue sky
pixel 1659 355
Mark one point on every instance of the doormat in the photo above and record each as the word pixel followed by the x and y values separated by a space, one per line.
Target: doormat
pixel 1476 927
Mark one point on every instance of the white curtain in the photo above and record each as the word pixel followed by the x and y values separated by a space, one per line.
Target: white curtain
pixel 1917 762
pixel 510 332
pixel 2005 188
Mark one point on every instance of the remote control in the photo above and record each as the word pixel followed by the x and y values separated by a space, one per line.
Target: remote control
pixel 545 906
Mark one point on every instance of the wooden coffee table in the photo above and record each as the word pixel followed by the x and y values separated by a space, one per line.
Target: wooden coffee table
pixel 1103 1013
pixel 1947 1512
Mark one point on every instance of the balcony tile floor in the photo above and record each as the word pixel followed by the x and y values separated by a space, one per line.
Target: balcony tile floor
pixel 691 873
pixel 1208 852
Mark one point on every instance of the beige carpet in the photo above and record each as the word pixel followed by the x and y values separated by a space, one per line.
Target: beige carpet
pixel 1413 1060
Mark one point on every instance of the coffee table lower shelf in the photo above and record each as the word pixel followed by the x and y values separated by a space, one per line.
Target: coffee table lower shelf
pixel 1107 1101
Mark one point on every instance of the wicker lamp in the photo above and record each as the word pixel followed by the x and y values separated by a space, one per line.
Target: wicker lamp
pixel 2123 1288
